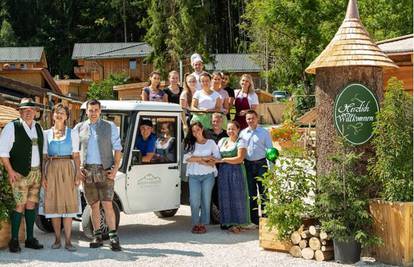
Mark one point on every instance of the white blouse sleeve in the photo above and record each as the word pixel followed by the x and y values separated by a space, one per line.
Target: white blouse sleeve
pixel 241 143
pixel 45 142
pixel 196 95
pixel 253 99
pixel 187 156
pixel 75 140
pixel 214 149
pixel 6 140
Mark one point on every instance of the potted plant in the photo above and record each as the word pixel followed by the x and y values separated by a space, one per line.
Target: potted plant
pixel 288 184
pixel 392 169
pixel 341 205
pixel 7 204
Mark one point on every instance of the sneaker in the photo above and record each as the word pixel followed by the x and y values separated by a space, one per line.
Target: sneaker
pixel 114 243
pixel 14 246
pixel 33 244
pixel 96 242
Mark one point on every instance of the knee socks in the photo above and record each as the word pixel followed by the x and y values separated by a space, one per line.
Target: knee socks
pixel 15 219
pixel 113 235
pixel 30 216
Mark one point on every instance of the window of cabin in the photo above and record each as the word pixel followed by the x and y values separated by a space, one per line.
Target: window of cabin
pixel 132 64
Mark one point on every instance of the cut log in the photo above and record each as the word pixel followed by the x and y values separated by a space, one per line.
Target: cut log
pixel 303 243
pixel 326 242
pixel 305 234
pixel 323 255
pixel 314 230
pixel 308 253
pixel 295 251
pixel 327 248
pixel 314 243
pixel 295 237
pixel 324 235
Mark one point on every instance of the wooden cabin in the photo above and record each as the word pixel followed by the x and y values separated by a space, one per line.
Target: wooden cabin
pixel 75 88
pixel 97 61
pixel 400 50
pixel 237 65
pixel 22 58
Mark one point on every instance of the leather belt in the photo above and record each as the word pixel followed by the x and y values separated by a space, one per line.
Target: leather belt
pixel 59 157
pixel 35 168
pixel 255 161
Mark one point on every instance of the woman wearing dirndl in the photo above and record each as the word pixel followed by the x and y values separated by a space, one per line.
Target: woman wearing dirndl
pixel 60 198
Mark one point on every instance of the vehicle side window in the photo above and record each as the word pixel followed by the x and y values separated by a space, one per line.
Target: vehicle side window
pixel 160 143
pixel 122 123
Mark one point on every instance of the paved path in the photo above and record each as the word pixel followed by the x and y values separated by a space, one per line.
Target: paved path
pixel 149 241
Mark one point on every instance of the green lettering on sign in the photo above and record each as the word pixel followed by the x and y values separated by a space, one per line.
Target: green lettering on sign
pixel 354 112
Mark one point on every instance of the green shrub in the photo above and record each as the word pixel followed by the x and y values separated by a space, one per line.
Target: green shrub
pixel 7 203
pixel 393 144
pixel 341 204
pixel 287 185
pixel 104 89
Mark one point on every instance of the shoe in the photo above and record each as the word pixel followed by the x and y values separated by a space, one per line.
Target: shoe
pixel 224 227
pixel 70 248
pixel 202 229
pixel 96 242
pixel 33 243
pixel 14 246
pixel 250 226
pixel 56 245
pixel 235 229
pixel 195 229
pixel 114 243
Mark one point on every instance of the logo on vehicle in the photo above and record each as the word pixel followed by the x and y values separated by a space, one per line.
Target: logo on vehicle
pixel 149 180
pixel 355 111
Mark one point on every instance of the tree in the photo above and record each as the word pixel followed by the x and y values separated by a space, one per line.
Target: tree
pixel 7 36
pixel 104 89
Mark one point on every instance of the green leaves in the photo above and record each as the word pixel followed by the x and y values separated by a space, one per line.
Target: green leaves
pixel 289 185
pixel 7 202
pixel 393 143
pixel 104 89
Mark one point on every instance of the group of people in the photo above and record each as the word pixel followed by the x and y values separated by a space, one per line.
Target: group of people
pixel 203 93
pixel 46 167
pixel 233 159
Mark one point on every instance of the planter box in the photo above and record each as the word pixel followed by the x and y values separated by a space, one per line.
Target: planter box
pixel 267 239
pixel 5 233
pixel 393 223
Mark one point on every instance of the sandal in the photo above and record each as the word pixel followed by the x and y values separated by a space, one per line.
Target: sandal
pixel 196 229
pixel 70 248
pixel 56 245
pixel 235 230
pixel 202 229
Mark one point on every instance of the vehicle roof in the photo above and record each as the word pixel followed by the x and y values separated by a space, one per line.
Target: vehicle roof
pixel 131 105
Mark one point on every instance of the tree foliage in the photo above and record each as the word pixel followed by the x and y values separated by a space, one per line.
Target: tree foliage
pixel 393 143
pixel 104 89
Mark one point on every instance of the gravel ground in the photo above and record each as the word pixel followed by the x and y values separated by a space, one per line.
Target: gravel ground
pixel 149 241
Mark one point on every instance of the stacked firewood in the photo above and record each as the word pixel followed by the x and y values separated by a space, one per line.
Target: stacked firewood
pixel 311 243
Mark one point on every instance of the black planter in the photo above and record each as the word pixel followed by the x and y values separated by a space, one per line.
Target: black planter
pixel 347 251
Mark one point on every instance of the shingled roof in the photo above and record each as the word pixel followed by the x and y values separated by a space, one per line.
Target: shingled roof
pixel 21 54
pixel 234 63
pixel 351 46
pixel 110 50
pixel 402 44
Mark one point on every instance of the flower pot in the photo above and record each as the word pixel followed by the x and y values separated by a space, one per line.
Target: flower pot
pixel 268 239
pixel 5 232
pixel 347 251
pixel 393 223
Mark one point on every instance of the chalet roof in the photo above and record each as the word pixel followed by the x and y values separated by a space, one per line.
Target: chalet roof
pixel 21 54
pixel 110 50
pixel 234 63
pixel 21 88
pixel 351 46
pixel 402 44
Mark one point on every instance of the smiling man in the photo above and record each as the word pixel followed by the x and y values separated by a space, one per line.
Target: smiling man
pixel 146 140
pixel 21 144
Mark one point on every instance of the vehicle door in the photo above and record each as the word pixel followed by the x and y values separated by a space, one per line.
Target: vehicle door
pixel 155 186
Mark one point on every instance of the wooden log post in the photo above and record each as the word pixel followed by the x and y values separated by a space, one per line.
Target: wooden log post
pixel 295 251
pixel 314 243
pixel 323 255
pixel 314 230
pixel 329 83
pixel 327 248
pixel 324 236
pixel 295 237
pixel 308 253
pixel 305 234
pixel 303 243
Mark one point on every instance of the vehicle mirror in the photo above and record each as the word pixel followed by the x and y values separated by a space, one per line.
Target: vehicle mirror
pixel 136 157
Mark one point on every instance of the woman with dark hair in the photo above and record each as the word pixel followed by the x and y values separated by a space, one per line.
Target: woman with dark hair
pixel 153 91
pixel 202 153
pixel 206 101
pixel 61 198
pixel 233 193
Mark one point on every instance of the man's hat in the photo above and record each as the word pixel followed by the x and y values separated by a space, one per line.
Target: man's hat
pixel 195 58
pixel 27 103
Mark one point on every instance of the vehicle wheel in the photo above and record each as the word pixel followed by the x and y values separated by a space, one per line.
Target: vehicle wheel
pixel 44 224
pixel 87 221
pixel 165 213
pixel 214 214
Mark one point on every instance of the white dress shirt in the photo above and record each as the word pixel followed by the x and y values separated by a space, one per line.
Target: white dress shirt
pixel 7 140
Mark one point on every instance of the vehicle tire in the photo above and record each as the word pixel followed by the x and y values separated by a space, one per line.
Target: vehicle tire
pixel 214 214
pixel 87 221
pixel 165 213
pixel 44 224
